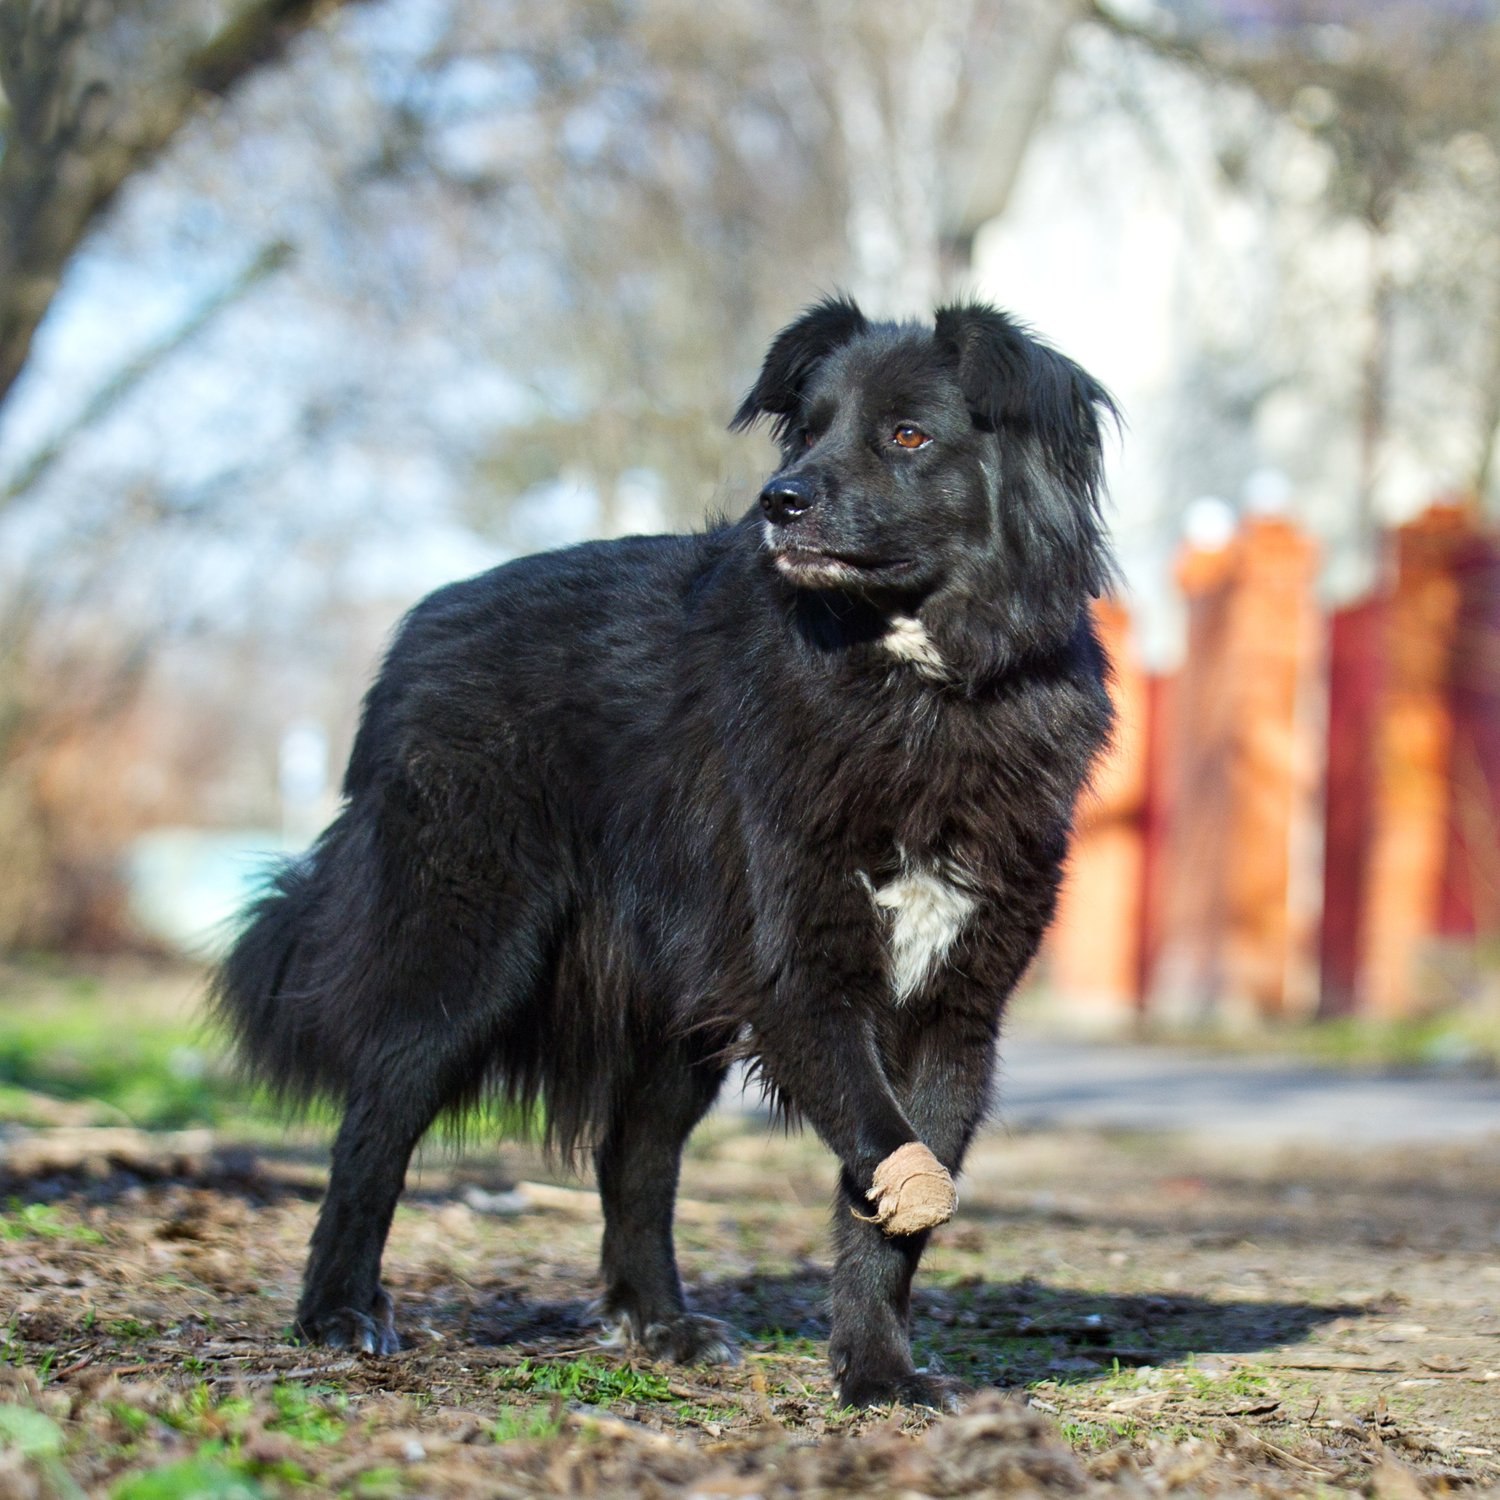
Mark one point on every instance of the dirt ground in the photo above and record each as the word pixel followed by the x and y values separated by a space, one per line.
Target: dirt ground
pixel 1134 1314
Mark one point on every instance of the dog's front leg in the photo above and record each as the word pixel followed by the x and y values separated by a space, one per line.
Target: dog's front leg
pixel 944 1086
pixel 822 1056
pixel 819 1031
pixel 826 1061
pixel 815 1030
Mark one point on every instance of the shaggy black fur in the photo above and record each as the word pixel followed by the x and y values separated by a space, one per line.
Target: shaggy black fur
pixel 619 813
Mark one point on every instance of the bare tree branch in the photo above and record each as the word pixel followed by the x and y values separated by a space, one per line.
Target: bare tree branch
pixel 269 260
pixel 77 132
pixel 257 36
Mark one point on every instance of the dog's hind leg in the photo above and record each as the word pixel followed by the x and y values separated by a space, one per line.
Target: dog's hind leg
pixel 944 1092
pixel 343 1303
pixel 637 1164
pixel 420 1071
pixel 433 1061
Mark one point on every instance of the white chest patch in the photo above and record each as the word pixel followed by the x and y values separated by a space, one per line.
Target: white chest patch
pixel 906 639
pixel 927 913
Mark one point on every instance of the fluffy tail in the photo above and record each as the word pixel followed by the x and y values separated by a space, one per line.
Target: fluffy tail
pixel 263 997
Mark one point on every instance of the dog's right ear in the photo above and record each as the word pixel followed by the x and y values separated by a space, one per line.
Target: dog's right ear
pixel 793 356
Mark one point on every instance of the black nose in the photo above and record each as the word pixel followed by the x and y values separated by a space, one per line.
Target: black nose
pixel 785 498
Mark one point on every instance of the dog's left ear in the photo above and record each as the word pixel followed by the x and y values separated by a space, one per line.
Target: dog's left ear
pixel 1012 380
pixel 1021 388
pixel 794 354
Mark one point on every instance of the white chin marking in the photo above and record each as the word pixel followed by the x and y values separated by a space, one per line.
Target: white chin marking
pixel 927 913
pixel 814 571
pixel 907 640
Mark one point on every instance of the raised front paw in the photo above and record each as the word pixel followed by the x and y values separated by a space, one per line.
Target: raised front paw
pixel 371 1332
pixel 912 1388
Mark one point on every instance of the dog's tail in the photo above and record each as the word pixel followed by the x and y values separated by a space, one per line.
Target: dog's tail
pixel 262 997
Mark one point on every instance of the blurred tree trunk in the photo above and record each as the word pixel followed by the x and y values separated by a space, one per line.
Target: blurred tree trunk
pixel 1483 478
pixel 1374 387
pixel 1389 95
pixel 92 92
pixel 934 109
pixel 78 122
pixel 895 81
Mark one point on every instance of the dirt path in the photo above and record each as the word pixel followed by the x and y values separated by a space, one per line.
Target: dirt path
pixel 1174 1317
pixel 1248 1097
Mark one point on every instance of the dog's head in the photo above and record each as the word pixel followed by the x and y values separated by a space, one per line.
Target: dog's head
pixel 955 469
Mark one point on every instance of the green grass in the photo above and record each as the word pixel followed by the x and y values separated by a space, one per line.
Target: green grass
pixel 1089 1436
pixel 1121 1378
pixel 1191 1400
pixel 132 1418
pixel 137 1050
pixel 210 1474
pixel 777 1342
pixel 381 1483
pixel 1238 1382
pixel 76 1041
pixel 13 1349
pixel 527 1423
pixel 308 1414
pixel 129 1328
pixel 204 1414
pixel 1462 1030
pixel 41 1442
pixel 591 1380
pixel 42 1221
pixel 30 1432
pixel 1459 1039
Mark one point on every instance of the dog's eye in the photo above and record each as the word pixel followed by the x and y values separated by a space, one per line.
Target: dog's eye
pixel 907 436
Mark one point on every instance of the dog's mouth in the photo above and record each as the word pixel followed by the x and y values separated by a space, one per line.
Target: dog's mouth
pixel 819 567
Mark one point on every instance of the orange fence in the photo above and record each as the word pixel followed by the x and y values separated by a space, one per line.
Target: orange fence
pixel 1305 818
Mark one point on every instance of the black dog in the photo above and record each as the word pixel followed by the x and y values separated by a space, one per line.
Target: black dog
pixel 797 789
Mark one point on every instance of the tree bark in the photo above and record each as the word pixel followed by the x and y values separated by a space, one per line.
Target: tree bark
pixel 894 88
pixel 74 134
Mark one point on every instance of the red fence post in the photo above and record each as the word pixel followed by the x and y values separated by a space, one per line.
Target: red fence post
pixel 1470 903
pixel 1355 676
pixel 1094 947
pixel 1413 748
pixel 1238 907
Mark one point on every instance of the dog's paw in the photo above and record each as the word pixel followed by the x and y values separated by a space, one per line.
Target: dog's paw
pixel 682 1339
pixel 914 1388
pixel 372 1332
pixel 691 1339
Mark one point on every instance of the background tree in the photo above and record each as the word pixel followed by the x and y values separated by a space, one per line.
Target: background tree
pixel 91 93
pixel 93 90
pixel 1402 95
pixel 435 281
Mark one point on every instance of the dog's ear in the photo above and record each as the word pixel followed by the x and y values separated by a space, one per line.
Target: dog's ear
pixel 1024 391
pixel 1014 381
pixel 793 356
